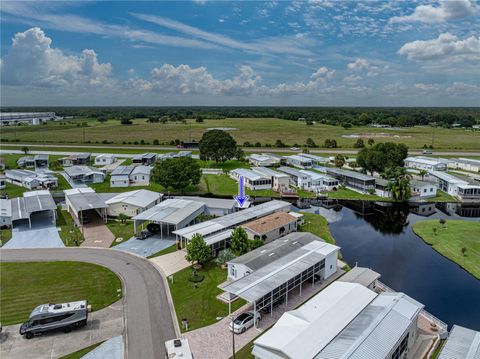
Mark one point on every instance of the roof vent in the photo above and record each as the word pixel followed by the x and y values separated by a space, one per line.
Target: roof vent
pixel 57 306
pixel 177 343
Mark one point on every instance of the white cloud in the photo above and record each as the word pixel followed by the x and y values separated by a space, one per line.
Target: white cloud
pixel 445 46
pixel 358 64
pixel 363 65
pixel 32 61
pixel 445 11
pixel 322 73
pixel 461 89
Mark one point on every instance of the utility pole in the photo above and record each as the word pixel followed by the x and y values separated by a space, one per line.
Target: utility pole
pixel 233 339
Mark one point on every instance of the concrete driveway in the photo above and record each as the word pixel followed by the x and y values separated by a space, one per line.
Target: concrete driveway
pixel 171 263
pixel 97 234
pixel 145 247
pixel 102 325
pixel 35 238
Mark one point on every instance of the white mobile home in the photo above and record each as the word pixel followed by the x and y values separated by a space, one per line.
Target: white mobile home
pixel 263 160
pixel 79 159
pixel 425 163
pixel 381 188
pixel 320 181
pixel 105 159
pixel 423 189
pixel 354 180
pixel 280 181
pixel 298 161
pixel 461 343
pixel 140 175
pixel 297 178
pixel 30 179
pixel 5 213
pixel 84 175
pixel 465 164
pixel 345 320
pixel 271 227
pixel 120 177
pixel 317 160
pixel 132 203
pixel 252 179
pixel 145 159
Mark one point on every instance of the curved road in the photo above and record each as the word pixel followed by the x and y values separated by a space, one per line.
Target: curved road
pixel 148 317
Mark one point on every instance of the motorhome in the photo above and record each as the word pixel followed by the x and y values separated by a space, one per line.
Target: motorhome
pixel 48 317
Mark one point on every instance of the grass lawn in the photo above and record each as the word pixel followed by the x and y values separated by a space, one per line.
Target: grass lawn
pixel 246 351
pixel 317 225
pixel 80 353
pixel 226 166
pixel 345 193
pixel 26 285
pixel 69 233
pixel 436 352
pixel 171 249
pixel 200 305
pixel 5 236
pixel 223 185
pixel 13 190
pixel 120 230
pixel 263 130
pixel 442 197
pixel 449 239
pixel 62 183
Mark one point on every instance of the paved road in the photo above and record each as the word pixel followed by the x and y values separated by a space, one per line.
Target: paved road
pixel 246 149
pixel 148 318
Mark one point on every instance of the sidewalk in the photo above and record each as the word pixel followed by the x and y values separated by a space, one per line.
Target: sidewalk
pixel 171 263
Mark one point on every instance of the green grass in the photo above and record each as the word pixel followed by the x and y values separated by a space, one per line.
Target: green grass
pixel 13 190
pixel 200 305
pixel 442 197
pixel 62 183
pixel 317 225
pixel 69 233
pixel 263 130
pixel 26 285
pixel 223 185
pixel 436 352
pixel 5 236
pixel 345 193
pixel 120 230
pixel 80 353
pixel 246 351
pixel 449 240
pixel 171 249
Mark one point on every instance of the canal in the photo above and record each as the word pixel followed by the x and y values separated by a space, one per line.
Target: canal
pixel 380 236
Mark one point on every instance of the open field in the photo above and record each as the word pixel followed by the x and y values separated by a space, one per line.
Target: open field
pixel 263 130
pixel 28 284
pixel 199 304
pixel 449 240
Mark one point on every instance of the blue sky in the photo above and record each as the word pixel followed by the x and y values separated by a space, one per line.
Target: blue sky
pixel 316 53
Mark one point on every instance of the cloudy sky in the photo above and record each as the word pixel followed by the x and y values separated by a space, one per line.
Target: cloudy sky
pixel 319 53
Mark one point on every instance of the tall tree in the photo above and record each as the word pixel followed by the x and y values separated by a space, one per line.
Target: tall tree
pixel 177 173
pixel 423 173
pixel 399 184
pixel 339 161
pixel 25 149
pixel 239 241
pixel 217 145
pixel 381 156
pixel 197 250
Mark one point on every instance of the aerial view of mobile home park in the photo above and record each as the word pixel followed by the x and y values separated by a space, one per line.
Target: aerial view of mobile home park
pixel 247 180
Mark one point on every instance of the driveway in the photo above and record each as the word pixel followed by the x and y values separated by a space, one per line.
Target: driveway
pixel 97 234
pixel 215 341
pixel 171 263
pixel 35 238
pixel 145 247
pixel 148 318
pixel 102 325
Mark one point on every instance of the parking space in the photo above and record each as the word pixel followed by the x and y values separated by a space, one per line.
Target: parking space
pixel 35 238
pixel 102 325
pixel 146 247
pixel 171 263
pixel 96 233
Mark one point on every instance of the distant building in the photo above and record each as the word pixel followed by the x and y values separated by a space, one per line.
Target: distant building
pixel 29 118
pixel 423 189
pixel 30 179
pixel 84 175
pixel 354 180
pixel 462 343
pixel 252 180
pixel 317 160
pixel 26 161
pixel 105 159
pixel 120 177
pixel 280 181
pixel 298 161
pixel 381 188
pixel 345 320
pixel 425 163
pixel 465 164
pixel 271 227
pixel 145 159
pixel 263 160
pixel 78 159
pixel 140 176
pixel 132 203
pixel 5 213
pixel 455 186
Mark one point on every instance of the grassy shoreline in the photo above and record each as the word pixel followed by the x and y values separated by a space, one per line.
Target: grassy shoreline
pixel 456 240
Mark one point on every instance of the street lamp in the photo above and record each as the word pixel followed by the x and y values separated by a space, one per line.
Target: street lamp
pixel 233 338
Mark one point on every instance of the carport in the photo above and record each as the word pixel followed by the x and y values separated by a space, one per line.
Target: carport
pixel 34 208
pixel 83 202
pixel 171 214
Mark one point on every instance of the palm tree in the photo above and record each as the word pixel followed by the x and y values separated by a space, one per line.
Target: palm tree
pixel 423 173
pixel 399 184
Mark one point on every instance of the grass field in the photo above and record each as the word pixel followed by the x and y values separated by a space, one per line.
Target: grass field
pixel 69 233
pixel 263 130
pixel 450 238
pixel 80 353
pixel 200 305
pixel 120 230
pixel 5 236
pixel 26 285
pixel 318 225
pixel 171 249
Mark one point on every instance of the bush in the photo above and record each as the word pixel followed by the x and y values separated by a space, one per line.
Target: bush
pixel 224 256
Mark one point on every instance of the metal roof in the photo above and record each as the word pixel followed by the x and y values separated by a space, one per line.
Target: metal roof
pixel 467 161
pixel 462 343
pixel 173 211
pixel 249 174
pixel 83 199
pixel 274 250
pixel 35 201
pixel 293 172
pixel 299 158
pixel 140 198
pixel 228 204
pixel 314 157
pixel 217 237
pixel 76 171
pixel 304 332
pixel 269 172
pixel 264 280
pixel 447 177
pixel 424 160
pixel 233 219
pixel 141 170
pixel 40 157
pixel 348 173
pixel 122 171
pixel 376 330
pixel 360 275
pixel 317 176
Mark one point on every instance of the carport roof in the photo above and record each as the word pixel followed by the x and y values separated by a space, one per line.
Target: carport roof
pixel 264 280
pixel 172 211
pixel 35 201
pixel 83 199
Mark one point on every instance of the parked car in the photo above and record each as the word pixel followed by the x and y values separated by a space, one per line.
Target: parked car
pixel 48 317
pixel 427 152
pixel 143 234
pixel 153 228
pixel 244 321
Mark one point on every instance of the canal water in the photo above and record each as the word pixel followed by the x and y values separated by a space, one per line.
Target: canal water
pixel 379 236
